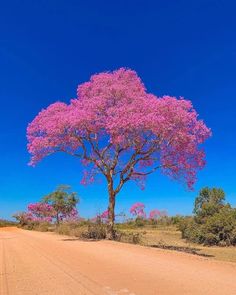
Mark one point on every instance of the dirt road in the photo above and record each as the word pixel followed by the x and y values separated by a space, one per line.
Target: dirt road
pixel 45 263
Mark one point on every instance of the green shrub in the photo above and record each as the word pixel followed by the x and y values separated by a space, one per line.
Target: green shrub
pixel 139 221
pixel 190 230
pixel 214 222
pixel 222 226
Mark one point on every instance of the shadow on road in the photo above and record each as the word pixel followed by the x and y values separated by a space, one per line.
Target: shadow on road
pixel 78 239
pixel 194 251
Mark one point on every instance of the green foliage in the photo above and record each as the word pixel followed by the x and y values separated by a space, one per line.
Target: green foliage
pixel 190 230
pixel 208 202
pixel 62 200
pixel 220 229
pixel 214 222
pixel 139 221
pixel 175 220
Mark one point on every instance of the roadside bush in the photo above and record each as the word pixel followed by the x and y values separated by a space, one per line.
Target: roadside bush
pixel 222 226
pixel 130 237
pixel 177 219
pixel 190 230
pixel 96 231
pixel 71 228
pixel 214 222
pixel 139 221
pixel 38 226
pixel 220 229
pixel 42 226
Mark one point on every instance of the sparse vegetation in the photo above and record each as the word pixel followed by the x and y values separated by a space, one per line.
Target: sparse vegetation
pixel 4 223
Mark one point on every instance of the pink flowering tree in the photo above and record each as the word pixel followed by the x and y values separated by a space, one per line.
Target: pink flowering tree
pixel 138 210
pixel 155 214
pixel 101 217
pixel 41 212
pixel 23 218
pixel 71 216
pixel 123 132
pixel 37 212
pixel 104 216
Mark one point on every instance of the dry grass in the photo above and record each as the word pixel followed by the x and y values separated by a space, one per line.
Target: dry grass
pixel 6 223
pixel 170 237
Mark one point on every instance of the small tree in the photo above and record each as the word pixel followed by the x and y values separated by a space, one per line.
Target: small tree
pixel 24 218
pixel 123 132
pixel 63 202
pixel 208 202
pixel 138 210
pixel 104 216
pixel 41 212
pixel 214 222
pixel 154 214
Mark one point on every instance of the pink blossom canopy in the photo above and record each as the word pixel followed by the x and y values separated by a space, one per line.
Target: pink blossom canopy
pixel 40 212
pixel 138 210
pixel 115 125
pixel 155 214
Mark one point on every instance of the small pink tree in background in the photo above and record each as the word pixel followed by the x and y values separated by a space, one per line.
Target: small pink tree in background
pixel 24 218
pixel 137 210
pixel 104 216
pixel 71 216
pixel 37 212
pixel 163 213
pixel 41 212
pixel 123 132
pixel 155 214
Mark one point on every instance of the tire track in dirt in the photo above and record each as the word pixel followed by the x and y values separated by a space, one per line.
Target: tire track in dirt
pixel 94 285
pixel 83 284
pixel 60 265
pixel 46 262
pixel 4 289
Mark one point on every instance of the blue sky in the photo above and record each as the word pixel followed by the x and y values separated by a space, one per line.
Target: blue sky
pixel 180 48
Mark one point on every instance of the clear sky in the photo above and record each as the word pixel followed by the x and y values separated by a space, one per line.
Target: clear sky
pixel 180 48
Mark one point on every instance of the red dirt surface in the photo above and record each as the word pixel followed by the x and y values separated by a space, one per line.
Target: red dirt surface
pixel 45 263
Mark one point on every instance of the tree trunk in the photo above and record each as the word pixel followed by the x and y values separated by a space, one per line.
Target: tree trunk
pixel 111 211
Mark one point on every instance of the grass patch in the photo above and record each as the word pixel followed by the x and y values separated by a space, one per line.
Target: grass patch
pixel 170 238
